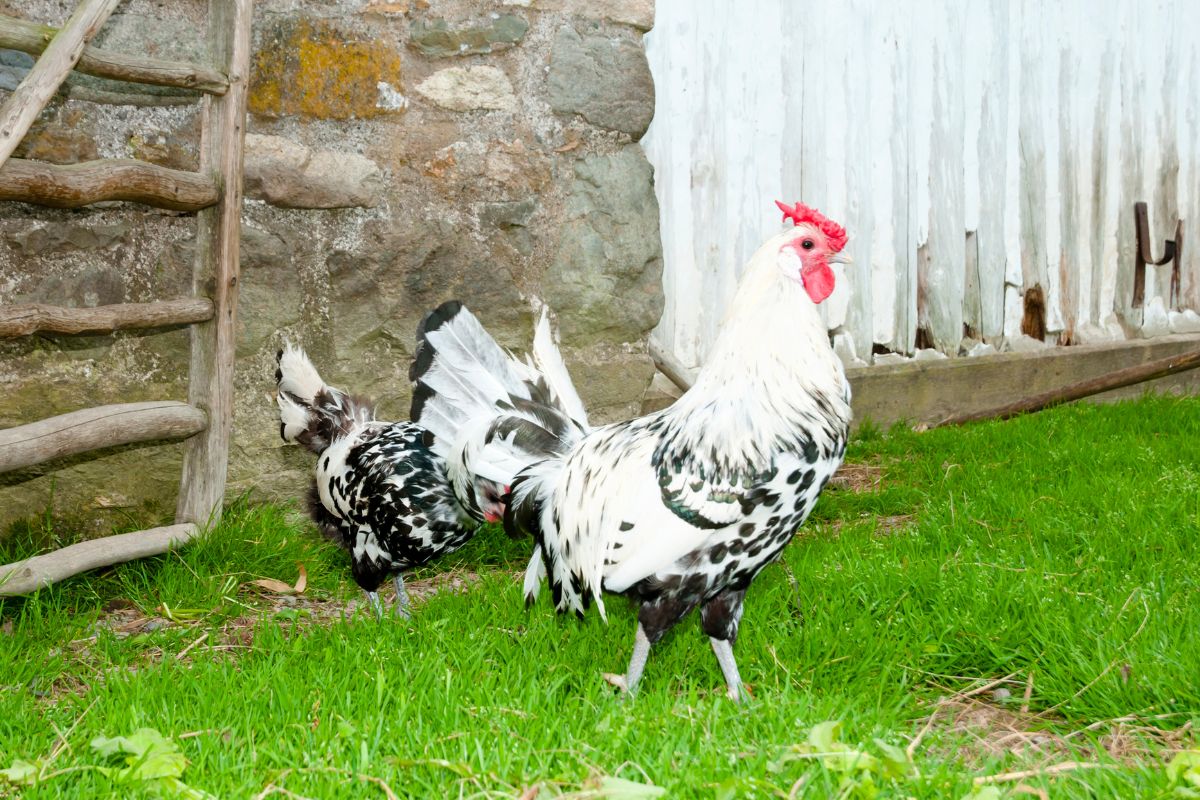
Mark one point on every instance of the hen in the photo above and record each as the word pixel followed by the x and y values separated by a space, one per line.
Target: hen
pixel 683 508
pixel 379 490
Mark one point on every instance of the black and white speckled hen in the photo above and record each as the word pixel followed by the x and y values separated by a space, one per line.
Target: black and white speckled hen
pixel 379 490
pixel 683 508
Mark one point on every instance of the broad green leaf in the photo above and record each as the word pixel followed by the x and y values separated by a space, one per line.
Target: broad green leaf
pixel 1185 768
pixel 156 765
pixel 824 736
pixel 984 793
pixel 621 789
pixel 896 763
pixel 22 772
pixel 137 743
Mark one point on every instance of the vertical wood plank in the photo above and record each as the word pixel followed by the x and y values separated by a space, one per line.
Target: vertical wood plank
pixel 1130 163
pixel 979 41
pixel 916 138
pixel 1049 28
pixel 990 52
pixel 1070 262
pixel 862 36
pixel 888 177
pixel 1189 104
pixel 1106 203
pixel 206 457
pixel 942 263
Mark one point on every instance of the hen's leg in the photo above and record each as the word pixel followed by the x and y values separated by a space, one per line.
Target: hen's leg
pixel 403 606
pixel 368 577
pixel 719 618
pixel 373 597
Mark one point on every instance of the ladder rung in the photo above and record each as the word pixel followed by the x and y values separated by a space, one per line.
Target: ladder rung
pixel 94 428
pixel 31 574
pixel 32 38
pixel 26 319
pixel 76 185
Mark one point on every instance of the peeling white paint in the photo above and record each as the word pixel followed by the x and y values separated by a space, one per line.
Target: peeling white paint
pixel 976 148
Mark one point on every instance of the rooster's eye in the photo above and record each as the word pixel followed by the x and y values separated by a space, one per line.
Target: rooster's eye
pixel 807 244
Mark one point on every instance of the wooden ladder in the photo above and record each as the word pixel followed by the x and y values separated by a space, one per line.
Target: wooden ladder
pixel 215 192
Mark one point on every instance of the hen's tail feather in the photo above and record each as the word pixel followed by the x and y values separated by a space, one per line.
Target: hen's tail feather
pixel 491 415
pixel 311 413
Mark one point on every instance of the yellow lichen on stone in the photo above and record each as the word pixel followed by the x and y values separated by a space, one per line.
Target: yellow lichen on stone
pixel 310 68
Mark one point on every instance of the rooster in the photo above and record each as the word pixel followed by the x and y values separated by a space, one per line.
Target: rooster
pixel 379 491
pixel 683 508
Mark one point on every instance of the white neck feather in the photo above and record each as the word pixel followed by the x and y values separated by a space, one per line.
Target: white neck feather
pixel 771 359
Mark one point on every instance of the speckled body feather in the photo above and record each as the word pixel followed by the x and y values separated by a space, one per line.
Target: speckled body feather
pixel 382 494
pixel 379 489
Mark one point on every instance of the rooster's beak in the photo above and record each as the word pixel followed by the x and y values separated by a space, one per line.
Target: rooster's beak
pixel 840 258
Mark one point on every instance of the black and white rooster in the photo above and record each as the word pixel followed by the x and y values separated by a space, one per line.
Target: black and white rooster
pixel 683 508
pixel 379 489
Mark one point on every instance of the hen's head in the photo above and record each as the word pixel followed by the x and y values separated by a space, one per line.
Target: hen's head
pixel 491 498
pixel 813 245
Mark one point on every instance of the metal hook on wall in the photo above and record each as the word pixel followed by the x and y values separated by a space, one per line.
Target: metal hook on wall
pixel 1172 251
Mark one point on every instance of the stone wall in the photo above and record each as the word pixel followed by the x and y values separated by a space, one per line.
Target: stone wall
pixel 399 154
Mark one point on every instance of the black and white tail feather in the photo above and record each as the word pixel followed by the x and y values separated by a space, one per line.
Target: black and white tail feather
pixel 492 415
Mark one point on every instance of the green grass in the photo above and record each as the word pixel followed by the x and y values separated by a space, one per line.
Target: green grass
pixel 1062 545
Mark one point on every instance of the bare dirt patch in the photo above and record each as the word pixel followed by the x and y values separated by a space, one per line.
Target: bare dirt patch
pixel 987 722
pixel 857 478
pixel 219 631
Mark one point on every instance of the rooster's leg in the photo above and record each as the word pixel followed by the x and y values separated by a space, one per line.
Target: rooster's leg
pixel 654 619
pixel 719 618
pixel 637 661
pixel 733 682
pixel 403 607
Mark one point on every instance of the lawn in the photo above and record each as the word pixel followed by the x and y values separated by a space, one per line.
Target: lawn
pixel 1016 602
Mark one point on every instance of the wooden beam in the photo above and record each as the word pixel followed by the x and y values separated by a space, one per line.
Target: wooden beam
pixel 34 573
pixel 59 57
pixel 93 428
pixel 218 233
pixel 32 38
pixel 1081 389
pixel 77 185
pixel 27 319
pixel 670 366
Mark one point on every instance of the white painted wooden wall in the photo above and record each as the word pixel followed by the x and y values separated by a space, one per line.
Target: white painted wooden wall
pixel 972 150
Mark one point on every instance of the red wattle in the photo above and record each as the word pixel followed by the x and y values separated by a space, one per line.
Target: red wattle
pixel 818 281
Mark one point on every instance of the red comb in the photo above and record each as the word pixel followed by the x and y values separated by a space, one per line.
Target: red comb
pixel 835 234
